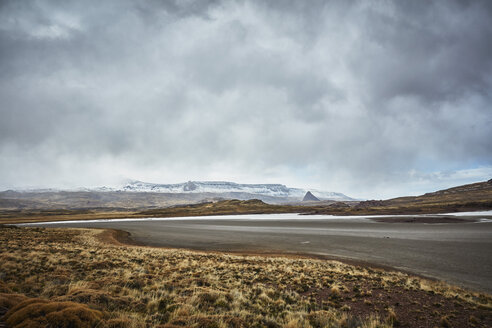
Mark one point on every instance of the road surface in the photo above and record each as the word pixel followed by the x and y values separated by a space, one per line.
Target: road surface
pixel 459 253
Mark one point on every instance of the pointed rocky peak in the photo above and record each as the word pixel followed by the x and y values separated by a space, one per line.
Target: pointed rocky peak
pixel 310 197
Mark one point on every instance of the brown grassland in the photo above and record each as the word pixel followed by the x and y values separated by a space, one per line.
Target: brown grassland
pixel 88 278
pixel 224 207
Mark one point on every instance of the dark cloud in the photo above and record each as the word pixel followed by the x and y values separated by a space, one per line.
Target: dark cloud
pixel 372 99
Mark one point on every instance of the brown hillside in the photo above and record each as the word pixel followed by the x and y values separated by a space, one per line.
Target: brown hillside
pixel 471 197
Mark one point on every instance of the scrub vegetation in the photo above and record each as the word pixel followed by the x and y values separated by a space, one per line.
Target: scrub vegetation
pixel 89 278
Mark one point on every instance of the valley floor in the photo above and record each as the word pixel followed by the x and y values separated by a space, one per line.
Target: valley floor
pixel 87 278
pixel 454 248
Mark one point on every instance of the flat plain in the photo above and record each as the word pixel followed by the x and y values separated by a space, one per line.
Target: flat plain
pixel 87 278
pixel 457 249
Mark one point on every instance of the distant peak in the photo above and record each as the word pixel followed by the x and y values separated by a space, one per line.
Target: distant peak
pixel 310 197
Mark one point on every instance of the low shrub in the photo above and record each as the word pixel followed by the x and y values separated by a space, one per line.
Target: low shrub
pixel 36 313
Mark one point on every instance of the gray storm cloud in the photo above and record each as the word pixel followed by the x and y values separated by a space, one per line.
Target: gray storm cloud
pixel 369 98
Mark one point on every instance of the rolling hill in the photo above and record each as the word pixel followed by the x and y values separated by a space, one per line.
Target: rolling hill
pixel 470 197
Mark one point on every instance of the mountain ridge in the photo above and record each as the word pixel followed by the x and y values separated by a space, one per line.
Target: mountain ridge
pixel 218 187
pixel 139 195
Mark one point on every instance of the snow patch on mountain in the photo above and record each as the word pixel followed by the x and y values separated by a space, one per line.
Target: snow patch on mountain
pixel 273 190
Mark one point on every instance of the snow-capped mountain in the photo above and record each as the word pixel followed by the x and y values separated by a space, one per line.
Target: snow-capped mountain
pixel 218 187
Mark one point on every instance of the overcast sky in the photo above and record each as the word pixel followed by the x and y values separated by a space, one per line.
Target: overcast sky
pixel 371 98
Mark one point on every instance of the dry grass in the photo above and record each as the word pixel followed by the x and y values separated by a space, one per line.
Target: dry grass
pixel 43 313
pixel 224 207
pixel 72 277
